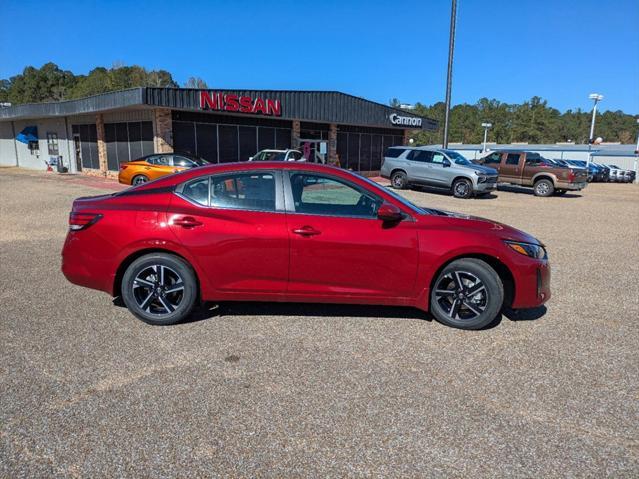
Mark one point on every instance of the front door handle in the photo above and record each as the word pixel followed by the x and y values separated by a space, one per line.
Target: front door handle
pixel 187 222
pixel 306 231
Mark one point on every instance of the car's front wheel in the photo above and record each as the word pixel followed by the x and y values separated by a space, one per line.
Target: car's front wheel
pixel 467 294
pixel 399 180
pixel 462 188
pixel 159 288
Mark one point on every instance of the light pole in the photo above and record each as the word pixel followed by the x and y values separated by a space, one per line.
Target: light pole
pixel 449 77
pixel 637 153
pixel 596 97
pixel 486 127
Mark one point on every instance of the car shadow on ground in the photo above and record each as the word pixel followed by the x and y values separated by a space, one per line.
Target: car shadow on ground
pixel 529 191
pixel 213 310
pixel 444 192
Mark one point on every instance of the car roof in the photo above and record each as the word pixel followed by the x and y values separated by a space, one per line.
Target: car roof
pixel 242 166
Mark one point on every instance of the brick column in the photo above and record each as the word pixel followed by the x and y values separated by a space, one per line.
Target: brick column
pixel 162 131
pixel 332 145
pixel 102 152
pixel 295 134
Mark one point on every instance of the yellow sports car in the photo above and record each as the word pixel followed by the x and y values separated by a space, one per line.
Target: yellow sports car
pixel 152 167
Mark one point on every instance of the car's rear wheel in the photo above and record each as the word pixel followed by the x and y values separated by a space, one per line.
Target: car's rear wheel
pixel 544 187
pixel 159 288
pixel 462 188
pixel 399 180
pixel 467 294
pixel 139 179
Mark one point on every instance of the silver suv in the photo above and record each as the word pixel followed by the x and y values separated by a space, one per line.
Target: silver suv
pixel 439 168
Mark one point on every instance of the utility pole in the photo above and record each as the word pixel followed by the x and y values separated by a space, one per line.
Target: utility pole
pixel 596 97
pixel 449 78
pixel 486 126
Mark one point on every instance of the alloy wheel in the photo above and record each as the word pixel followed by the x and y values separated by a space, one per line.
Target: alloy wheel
pixel 461 295
pixel 462 188
pixel 158 290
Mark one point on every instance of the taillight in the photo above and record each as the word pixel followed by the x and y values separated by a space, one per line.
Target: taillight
pixel 571 176
pixel 123 167
pixel 81 221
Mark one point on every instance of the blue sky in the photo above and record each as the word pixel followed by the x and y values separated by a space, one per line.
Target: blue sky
pixel 560 50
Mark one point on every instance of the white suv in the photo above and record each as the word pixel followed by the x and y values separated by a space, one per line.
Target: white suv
pixel 278 155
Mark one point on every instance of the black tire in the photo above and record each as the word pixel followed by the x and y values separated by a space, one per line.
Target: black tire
pixel 544 188
pixel 478 300
pixel 399 180
pixel 148 284
pixel 139 180
pixel 462 188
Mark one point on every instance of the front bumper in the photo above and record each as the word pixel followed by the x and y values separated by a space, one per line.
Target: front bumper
pixel 532 285
pixel 485 186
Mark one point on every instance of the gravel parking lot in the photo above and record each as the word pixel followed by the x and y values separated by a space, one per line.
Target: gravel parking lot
pixel 86 390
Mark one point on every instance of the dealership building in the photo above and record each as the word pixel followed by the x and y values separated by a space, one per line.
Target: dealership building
pixel 94 135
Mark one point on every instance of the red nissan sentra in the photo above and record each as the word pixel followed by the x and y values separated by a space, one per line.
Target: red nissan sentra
pixel 296 232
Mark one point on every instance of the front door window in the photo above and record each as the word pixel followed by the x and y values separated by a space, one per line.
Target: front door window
pixel 320 195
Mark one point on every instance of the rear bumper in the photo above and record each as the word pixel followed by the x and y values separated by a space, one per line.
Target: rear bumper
pixel 565 185
pixel 83 268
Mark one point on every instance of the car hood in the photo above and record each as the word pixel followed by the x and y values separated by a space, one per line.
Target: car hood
pixel 478 224
pixel 486 170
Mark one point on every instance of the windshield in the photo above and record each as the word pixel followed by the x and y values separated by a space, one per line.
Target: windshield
pixel 457 158
pixel 401 199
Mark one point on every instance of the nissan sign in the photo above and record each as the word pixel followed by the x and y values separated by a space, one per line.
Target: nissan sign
pixel 241 104
pixel 396 119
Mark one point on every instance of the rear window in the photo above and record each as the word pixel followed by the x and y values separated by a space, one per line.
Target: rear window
pixel 394 152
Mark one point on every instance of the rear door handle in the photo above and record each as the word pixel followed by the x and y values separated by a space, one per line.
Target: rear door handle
pixel 306 231
pixel 187 222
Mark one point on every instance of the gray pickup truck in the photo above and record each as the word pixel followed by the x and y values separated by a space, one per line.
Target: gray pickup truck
pixel 435 167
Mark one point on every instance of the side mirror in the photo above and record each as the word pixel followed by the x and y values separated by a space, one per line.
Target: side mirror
pixel 389 212
pixel 446 163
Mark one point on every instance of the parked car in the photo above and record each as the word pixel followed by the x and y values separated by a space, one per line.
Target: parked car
pixel 526 168
pixel 602 172
pixel 592 170
pixel 620 175
pixel 152 167
pixel 438 168
pixel 302 232
pixel 278 155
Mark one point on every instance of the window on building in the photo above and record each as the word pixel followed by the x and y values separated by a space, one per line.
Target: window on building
pixel 52 144
pixel 206 134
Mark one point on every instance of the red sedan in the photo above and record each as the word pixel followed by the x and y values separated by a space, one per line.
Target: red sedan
pixel 298 232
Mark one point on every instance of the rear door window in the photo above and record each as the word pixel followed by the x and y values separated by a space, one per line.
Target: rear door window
pixel 421 156
pixel 512 159
pixel 394 152
pixel 246 191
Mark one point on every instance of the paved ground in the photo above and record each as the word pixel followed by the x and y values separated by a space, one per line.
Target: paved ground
pixel 270 390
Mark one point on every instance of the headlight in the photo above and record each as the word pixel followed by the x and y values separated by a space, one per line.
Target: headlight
pixel 482 179
pixel 528 249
